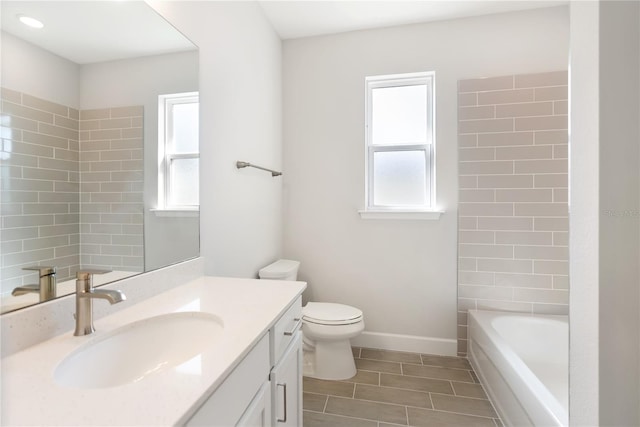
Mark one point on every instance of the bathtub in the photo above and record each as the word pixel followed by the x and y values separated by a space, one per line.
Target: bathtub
pixel 523 362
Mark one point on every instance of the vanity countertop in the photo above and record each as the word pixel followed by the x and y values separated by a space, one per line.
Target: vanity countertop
pixel 248 309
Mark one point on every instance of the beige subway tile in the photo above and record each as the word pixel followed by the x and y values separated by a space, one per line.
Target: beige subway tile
pixel 66 187
pixel 95 176
pixel 114 218
pixel 560 151
pixel 105 134
pixel 58 131
pixel 41 104
pixel 115 155
pixel 485 209
pixel 30 149
pixel 462 347
pixel 540 123
pixel 74 114
pixel 19 233
pixel 485 251
pixel 105 197
pixel 485 168
pixel 551 93
pixel 72 218
pixel 506 96
pixel 554 181
pixel 553 78
pixel 486 126
pixel 560 282
pixel 20 184
pixel 65 165
pixel 466 304
pixel 127 176
pixel 93 114
pixel 10 95
pixel 560 107
pixel 505 223
pixel 524 152
pixel 115 123
pixel 524 280
pixel 467 223
pixel 476 195
pixel 84 125
pixel 45 208
pixel 504 139
pixel 545 296
pixel 555 253
pixel 65 251
pixel 16 110
pixel 509 306
pixel 469 390
pixel 95 207
pixel 62 154
pixel 524 195
pixel 463 317
pixel 479 112
pixel 127 144
pixel 528 109
pixel 475 278
pixel 132 133
pixel 132 111
pixel 485 84
pixel 505 265
pixel 19 196
pixel 474 154
pixel 393 395
pixel 27 256
pixel 368 410
pixel 137 154
pixel 10 247
pixel 436 372
pixel 541 166
pixel 133 229
pixel 115 187
pixel 58 230
pixel 467 140
pixel 20 123
pixel 467 99
pixel 389 356
pixel 466 264
pixel 560 195
pixel 132 197
pixel 553 309
pixel 86 146
pixel 468 181
pixel 542 209
pixel 524 237
pixel 475 236
pixel 542 137
pixel 463 405
pixel 561 238
pixel 137 122
pixel 416 383
pixel 485 292
pixel 66 123
pixel 46 174
pixel 116 250
pixel 505 181
pixel 104 166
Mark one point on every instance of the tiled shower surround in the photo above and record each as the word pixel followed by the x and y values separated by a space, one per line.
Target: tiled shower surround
pixel 42 216
pixel 513 214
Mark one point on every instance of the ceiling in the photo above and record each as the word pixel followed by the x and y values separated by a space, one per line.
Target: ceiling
pixel 295 19
pixel 94 31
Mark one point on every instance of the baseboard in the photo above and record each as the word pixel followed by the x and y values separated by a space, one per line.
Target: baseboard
pixel 410 343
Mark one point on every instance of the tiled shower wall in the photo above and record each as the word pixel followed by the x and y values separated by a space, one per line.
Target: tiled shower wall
pixel 111 189
pixel 40 200
pixel 513 215
pixel 40 177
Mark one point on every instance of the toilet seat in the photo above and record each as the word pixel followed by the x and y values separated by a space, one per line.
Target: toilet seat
pixel 325 313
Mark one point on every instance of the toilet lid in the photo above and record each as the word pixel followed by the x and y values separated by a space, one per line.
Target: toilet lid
pixel 326 313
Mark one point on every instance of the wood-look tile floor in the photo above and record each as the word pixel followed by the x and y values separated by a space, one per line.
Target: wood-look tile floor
pixel 396 388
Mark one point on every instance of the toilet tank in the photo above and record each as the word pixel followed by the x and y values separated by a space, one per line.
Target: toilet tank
pixel 283 269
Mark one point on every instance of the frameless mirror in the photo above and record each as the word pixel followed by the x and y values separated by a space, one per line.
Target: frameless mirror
pixel 86 160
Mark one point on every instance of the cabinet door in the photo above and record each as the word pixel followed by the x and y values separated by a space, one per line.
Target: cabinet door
pixel 258 414
pixel 286 386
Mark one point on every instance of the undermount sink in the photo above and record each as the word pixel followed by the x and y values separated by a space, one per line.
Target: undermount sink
pixel 134 351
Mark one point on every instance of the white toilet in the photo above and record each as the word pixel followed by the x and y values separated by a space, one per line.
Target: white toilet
pixel 326 329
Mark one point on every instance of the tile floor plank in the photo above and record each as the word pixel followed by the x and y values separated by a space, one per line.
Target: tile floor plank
pixel 469 390
pixel 417 383
pixel 315 419
pixel 334 388
pixel 445 361
pixel 379 366
pixel 390 356
pixel 314 402
pixel 367 410
pixel 437 373
pixel 463 405
pixel 427 417
pixel 393 395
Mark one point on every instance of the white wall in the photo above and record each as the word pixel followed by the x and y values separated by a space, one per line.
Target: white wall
pixel 402 274
pixel 241 110
pixel 605 219
pixel 40 73
pixel 139 82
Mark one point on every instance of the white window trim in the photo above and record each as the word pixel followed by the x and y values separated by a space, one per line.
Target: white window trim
pixel 164 159
pixel 429 211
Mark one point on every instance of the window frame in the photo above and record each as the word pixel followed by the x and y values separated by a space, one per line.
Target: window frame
pixel 428 147
pixel 165 156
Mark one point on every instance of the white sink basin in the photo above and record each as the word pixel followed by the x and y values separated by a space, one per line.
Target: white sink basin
pixel 135 351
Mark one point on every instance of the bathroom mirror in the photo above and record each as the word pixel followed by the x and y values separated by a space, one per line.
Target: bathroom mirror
pixel 85 133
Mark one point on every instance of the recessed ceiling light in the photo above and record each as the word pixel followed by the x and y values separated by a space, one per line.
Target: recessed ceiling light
pixel 30 22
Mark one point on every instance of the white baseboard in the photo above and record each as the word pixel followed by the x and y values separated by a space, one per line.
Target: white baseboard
pixel 410 343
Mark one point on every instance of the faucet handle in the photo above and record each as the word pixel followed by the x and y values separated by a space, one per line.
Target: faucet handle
pixel 44 270
pixel 85 274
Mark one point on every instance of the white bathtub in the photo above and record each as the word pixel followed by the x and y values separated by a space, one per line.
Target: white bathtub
pixel 523 362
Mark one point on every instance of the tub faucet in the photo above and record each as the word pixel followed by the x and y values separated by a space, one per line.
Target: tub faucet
pixel 85 293
pixel 46 286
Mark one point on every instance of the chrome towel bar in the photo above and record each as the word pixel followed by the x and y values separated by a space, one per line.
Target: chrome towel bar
pixel 241 165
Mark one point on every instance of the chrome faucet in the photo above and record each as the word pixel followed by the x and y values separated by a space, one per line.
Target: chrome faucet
pixel 85 293
pixel 46 286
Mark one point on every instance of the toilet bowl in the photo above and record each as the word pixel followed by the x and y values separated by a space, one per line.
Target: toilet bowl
pixel 326 329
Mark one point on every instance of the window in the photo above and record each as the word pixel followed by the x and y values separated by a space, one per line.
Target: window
pixel 400 141
pixel 178 151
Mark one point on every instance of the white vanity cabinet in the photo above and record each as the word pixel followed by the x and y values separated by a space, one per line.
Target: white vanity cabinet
pixel 265 388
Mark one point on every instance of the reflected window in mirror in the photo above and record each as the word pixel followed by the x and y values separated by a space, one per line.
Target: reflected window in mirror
pixel 178 150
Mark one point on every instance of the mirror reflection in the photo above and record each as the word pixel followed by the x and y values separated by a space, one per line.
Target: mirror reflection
pixel 99 159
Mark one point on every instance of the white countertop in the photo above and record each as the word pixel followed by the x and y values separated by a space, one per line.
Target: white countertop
pixel 248 309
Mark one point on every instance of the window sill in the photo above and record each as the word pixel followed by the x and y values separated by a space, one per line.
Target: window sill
pixel 401 214
pixel 184 213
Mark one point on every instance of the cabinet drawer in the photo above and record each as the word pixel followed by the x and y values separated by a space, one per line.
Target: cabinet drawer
pixel 284 330
pixel 229 401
